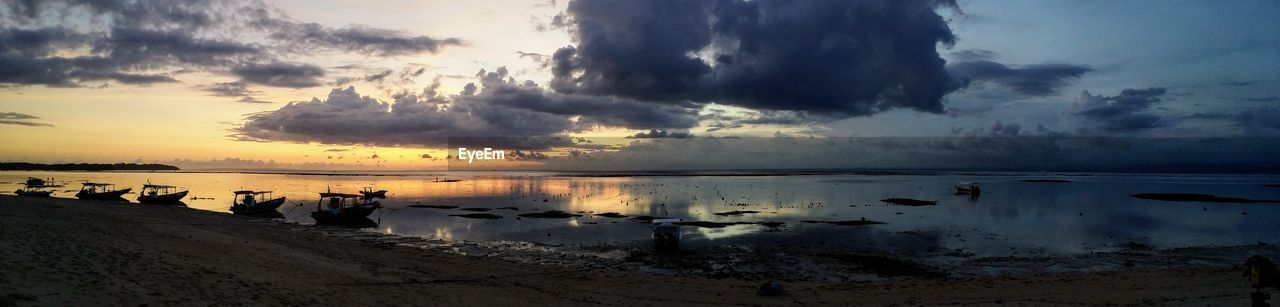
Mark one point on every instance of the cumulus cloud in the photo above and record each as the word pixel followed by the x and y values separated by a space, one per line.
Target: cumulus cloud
pixel 499 110
pixel 1130 111
pixel 20 119
pixel 842 58
pixel 661 134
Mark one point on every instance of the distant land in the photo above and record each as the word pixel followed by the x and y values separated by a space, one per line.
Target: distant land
pixel 23 166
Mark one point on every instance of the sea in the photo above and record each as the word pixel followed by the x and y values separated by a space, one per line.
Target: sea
pixel 1038 213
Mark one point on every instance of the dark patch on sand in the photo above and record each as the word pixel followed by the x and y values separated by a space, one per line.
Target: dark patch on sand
pixel 886 266
pixel 847 223
pixel 553 214
pixel 507 208
pixel 612 215
pixel 909 202
pixel 1208 198
pixel 772 224
pixel 1046 181
pixel 433 206
pixel 475 209
pixel 735 212
pixel 644 218
pixel 478 216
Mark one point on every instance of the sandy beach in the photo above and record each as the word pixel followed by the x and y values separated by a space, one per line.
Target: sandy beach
pixel 71 252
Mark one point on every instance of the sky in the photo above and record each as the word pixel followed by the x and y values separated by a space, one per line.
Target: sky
pixel 393 84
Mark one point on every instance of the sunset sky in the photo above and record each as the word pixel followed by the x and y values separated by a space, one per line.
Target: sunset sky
pixel 385 84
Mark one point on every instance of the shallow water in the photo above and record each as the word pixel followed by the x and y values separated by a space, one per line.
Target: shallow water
pixel 1090 213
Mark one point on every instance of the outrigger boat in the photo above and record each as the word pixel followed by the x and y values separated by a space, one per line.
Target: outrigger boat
pixel 667 234
pixel 36 187
pixel 368 192
pixel 161 194
pixel 92 190
pixel 254 202
pixel 343 209
pixel 970 189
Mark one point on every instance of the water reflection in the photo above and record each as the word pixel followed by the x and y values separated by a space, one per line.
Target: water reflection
pixel 1088 213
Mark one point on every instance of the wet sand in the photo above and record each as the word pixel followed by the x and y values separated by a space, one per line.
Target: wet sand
pixel 70 252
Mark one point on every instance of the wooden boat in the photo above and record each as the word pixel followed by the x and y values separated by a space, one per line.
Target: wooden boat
pixel 161 194
pixel 93 190
pixel 971 189
pixel 368 192
pixel 255 202
pixel 36 187
pixel 343 209
pixel 666 234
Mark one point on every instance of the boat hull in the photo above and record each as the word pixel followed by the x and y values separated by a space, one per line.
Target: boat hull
pixel 109 195
pixel 33 193
pixel 345 216
pixel 162 199
pixel 259 208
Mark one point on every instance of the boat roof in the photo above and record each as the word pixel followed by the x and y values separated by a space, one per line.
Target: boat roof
pixel 251 192
pixel 158 186
pixel 96 184
pixel 331 194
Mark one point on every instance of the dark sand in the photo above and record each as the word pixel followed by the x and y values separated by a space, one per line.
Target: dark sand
pixel 70 252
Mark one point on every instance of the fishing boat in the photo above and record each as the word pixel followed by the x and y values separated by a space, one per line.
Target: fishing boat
pixel 161 194
pixel 36 187
pixel 971 189
pixel 667 234
pixel 368 192
pixel 93 190
pixel 343 209
pixel 254 202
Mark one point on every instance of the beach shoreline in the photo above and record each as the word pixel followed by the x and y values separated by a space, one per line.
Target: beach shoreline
pixel 71 252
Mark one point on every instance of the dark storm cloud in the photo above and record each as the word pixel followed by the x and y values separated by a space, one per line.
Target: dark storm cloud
pixel 136 42
pixel 291 75
pixel 842 58
pixel 20 119
pixel 501 90
pixel 1131 111
pixel 1033 80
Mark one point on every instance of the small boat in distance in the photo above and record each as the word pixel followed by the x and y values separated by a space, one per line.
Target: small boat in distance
pixel 36 187
pixel 343 209
pixel 368 192
pixel 161 194
pixel 971 189
pixel 107 191
pixel 254 202
pixel 667 234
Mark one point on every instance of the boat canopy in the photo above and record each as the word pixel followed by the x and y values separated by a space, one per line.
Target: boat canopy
pixel 251 192
pixel 95 184
pixel 343 195
pixel 158 186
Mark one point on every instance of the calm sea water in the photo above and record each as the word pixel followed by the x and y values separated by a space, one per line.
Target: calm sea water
pixel 1090 213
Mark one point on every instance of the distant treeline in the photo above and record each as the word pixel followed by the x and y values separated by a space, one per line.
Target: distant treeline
pixel 23 166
